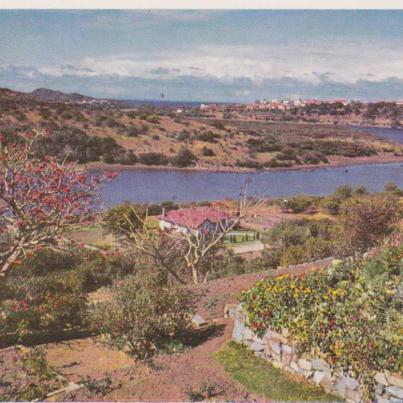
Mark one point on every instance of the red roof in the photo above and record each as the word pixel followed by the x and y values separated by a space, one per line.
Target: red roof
pixel 193 217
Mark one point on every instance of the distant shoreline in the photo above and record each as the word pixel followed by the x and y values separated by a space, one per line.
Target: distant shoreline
pixel 337 163
pixel 328 124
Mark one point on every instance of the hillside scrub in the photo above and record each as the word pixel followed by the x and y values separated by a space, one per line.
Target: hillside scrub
pixel 349 312
pixel 109 134
pixel 49 290
pixel 304 240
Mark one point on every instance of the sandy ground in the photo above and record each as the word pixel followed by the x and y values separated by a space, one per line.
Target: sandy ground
pixel 168 379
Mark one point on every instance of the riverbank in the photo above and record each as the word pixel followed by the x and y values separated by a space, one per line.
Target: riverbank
pixel 334 162
pixel 341 124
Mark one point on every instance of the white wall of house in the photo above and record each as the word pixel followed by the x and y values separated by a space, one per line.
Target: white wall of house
pixel 168 226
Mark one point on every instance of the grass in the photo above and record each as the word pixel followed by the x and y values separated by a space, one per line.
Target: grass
pixel 261 378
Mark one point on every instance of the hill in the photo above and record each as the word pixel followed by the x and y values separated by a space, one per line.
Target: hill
pixel 46 95
pixel 106 131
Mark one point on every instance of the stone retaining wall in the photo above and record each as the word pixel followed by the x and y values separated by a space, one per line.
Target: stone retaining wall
pixel 281 352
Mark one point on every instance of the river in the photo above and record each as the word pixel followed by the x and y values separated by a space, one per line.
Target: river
pixel 156 186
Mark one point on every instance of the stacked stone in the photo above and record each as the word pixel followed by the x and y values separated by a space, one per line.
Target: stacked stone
pixel 389 388
pixel 279 349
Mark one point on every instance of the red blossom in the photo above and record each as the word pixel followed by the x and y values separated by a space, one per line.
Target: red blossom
pixel 40 199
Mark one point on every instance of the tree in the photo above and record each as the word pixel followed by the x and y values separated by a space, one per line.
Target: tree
pixel 184 158
pixel 391 187
pixel 343 192
pixel 123 218
pixel 369 219
pixel 39 199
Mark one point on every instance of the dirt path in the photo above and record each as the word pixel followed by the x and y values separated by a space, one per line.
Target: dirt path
pixel 170 378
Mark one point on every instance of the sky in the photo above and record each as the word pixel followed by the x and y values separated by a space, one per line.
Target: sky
pixel 227 56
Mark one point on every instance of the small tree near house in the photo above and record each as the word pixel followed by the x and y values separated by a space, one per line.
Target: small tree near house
pixel 186 255
pixel 39 199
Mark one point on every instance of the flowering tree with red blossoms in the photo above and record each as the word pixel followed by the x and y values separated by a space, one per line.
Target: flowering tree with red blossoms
pixel 39 200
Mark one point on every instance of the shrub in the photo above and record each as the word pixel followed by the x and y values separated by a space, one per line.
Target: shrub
pixel 331 205
pixel 299 203
pixel 184 158
pixel 133 131
pixel 228 264
pixel 100 271
pixel 153 158
pixel 51 295
pixel 43 378
pixel 218 125
pixel 209 137
pixel 75 145
pixel 156 209
pixel 123 218
pixel 369 219
pixel 303 240
pixel 144 315
pixel 52 302
pixel 343 192
pixel 249 164
pixel 207 152
pixel 47 261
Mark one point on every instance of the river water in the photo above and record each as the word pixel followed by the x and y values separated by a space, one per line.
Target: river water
pixel 155 186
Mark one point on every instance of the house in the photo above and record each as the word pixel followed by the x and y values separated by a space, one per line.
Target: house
pixel 194 219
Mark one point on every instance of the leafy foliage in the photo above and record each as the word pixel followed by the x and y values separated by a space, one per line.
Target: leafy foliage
pixel 144 315
pixel 184 158
pixel 303 240
pixel 48 291
pixel 351 312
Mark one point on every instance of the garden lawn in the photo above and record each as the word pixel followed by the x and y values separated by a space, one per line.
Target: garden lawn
pixel 261 378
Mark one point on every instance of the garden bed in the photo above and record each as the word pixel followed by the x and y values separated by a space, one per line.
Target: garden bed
pixel 338 327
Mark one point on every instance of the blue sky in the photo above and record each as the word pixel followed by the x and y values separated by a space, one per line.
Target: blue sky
pixel 205 55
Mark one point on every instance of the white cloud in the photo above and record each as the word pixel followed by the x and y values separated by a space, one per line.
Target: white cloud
pixel 340 62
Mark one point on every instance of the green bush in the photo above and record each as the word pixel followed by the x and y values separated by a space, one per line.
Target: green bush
pixel 349 312
pixel 52 302
pixel 299 203
pixel 144 316
pixel 122 219
pixel 49 290
pixel 153 158
pixel 229 264
pixel 303 240
pixel 330 205
pixel 249 164
pixel 76 145
pixel 209 137
pixel 156 209
pixel 46 261
pixel 184 158
pixel 100 271
pixel 207 152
